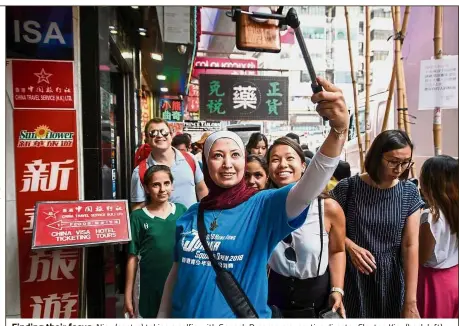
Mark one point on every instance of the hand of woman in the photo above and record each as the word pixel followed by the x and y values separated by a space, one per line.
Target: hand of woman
pixel 362 259
pixel 410 310
pixel 335 301
pixel 331 105
pixel 128 308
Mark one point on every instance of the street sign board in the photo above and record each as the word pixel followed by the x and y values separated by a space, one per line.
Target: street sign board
pixel 59 224
pixel 235 97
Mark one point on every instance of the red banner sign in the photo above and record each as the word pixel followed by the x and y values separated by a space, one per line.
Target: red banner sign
pixel 43 84
pixel 192 103
pixel 208 65
pixel 80 223
pixel 46 169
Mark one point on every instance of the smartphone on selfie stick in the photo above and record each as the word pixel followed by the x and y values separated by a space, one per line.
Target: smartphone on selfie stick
pixel 264 42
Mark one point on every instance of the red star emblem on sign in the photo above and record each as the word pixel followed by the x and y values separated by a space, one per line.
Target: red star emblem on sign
pixel 43 76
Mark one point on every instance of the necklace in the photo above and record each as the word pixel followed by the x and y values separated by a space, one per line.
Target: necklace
pixel 214 224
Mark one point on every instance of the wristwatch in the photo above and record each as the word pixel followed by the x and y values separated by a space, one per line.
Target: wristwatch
pixel 336 289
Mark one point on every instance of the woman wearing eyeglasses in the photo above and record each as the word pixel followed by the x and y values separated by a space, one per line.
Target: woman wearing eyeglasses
pixel 307 267
pixel 243 226
pixel 382 227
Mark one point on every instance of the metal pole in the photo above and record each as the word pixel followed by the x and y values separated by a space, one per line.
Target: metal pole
pixel 243 69
pixel 220 52
pixel 218 33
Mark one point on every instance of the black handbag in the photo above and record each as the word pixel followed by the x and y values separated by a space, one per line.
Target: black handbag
pixel 226 282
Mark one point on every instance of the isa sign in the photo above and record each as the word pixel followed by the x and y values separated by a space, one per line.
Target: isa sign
pixel 39 33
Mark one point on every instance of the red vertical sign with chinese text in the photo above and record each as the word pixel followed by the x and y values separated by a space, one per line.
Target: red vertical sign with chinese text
pixel 46 164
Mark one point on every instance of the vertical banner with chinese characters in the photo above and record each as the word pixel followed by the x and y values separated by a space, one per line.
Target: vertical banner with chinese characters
pixel 192 103
pixel 171 109
pixel 46 170
pixel 243 97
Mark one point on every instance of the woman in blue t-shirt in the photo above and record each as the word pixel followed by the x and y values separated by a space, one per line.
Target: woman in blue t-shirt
pixel 244 225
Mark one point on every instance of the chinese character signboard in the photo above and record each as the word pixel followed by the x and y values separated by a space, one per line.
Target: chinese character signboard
pixel 39 33
pixel 42 84
pixel 243 97
pixel 80 223
pixel 192 103
pixel 171 110
pixel 46 169
pixel 207 65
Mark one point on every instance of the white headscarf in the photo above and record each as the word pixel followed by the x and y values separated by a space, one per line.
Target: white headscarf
pixel 222 134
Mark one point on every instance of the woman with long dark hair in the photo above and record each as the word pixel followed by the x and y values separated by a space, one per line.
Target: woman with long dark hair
pixel 382 226
pixel 307 267
pixel 257 144
pixel 438 239
pixel 243 226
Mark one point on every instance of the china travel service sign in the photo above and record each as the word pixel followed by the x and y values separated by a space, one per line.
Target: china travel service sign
pixel 230 97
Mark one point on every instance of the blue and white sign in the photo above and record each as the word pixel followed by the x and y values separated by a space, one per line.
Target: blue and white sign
pixel 39 33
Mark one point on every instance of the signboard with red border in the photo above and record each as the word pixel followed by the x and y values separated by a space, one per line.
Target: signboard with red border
pixel 80 223
pixel 39 84
pixel 46 168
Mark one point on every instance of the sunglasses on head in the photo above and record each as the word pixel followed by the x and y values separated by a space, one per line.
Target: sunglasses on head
pixel 289 253
pixel 157 133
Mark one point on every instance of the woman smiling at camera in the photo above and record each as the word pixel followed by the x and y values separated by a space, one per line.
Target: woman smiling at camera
pixel 244 225
pixel 307 266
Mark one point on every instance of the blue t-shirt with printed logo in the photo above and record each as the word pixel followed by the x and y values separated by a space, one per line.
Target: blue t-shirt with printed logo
pixel 243 241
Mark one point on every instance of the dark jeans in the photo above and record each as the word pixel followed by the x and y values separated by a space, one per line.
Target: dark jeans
pixel 298 298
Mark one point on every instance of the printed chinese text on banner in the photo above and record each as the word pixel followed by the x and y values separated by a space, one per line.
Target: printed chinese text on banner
pixel 46 169
pixel 42 84
pixel 243 97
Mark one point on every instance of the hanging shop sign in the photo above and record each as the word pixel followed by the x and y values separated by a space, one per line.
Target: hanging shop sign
pixel 44 32
pixel 171 109
pixel 224 66
pixel 80 223
pixel 243 97
pixel 41 84
pixel 46 168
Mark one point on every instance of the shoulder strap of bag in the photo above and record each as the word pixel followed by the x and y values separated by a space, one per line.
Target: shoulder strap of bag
pixel 226 282
pixel 190 162
pixel 142 170
pixel 202 232
pixel 321 234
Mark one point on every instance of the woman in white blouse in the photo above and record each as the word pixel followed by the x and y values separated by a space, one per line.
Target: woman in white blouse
pixel 437 293
pixel 306 269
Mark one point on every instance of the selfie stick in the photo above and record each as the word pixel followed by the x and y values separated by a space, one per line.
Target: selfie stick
pixel 291 19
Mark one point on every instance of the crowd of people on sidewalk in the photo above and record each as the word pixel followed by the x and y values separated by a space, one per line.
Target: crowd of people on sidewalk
pixel 223 229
